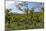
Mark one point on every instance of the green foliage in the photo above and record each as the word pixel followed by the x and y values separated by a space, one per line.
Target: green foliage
pixel 19 22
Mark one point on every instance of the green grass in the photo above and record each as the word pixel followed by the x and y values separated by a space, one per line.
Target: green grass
pixel 22 22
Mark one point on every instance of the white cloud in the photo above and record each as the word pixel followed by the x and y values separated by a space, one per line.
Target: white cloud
pixel 8 4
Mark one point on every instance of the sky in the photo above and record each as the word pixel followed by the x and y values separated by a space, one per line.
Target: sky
pixel 12 5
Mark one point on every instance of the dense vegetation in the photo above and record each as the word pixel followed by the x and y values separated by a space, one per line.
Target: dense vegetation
pixel 29 20
pixel 24 21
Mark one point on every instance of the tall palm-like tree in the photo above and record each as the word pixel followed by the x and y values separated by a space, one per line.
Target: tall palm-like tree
pixel 23 5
